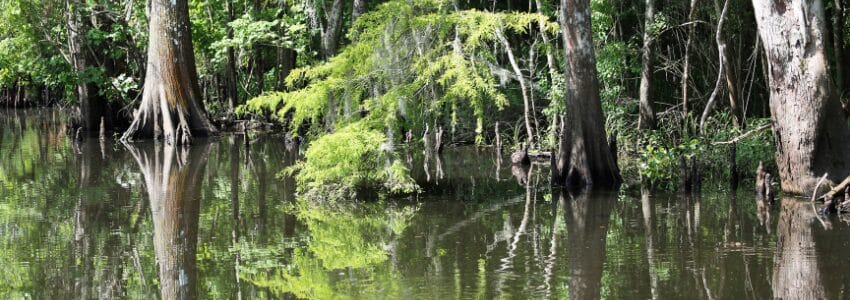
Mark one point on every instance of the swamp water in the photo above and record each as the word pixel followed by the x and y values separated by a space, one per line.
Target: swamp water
pixel 99 219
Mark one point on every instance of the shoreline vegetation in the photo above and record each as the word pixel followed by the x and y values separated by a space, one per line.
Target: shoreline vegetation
pixel 604 92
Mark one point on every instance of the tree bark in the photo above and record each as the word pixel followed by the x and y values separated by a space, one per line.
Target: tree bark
pixel 810 132
pixel 646 118
pixel 585 153
pixel 171 105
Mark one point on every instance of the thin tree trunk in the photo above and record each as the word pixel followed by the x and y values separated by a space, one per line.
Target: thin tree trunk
pixel 359 9
pixel 522 84
pixel 589 160
pixel 333 29
pixel 721 50
pixel 550 57
pixel 286 57
pixel 231 92
pixel 731 76
pixel 646 118
pixel 91 105
pixel 171 105
pixel 686 69
pixel 810 132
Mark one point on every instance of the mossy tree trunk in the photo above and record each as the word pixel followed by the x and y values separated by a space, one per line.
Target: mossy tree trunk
pixel 808 125
pixel 171 106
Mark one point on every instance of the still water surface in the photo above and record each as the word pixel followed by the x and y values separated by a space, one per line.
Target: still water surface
pixel 100 219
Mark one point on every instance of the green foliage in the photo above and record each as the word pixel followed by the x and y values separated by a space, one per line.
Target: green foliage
pixel 658 157
pixel 409 63
pixel 351 159
pixel 251 32
pixel 660 163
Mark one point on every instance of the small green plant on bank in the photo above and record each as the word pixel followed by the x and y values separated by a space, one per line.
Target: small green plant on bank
pixel 660 164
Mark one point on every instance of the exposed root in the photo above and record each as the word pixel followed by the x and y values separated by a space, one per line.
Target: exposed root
pixel 183 134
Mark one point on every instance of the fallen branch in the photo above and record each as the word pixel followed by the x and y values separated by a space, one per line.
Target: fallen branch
pixel 837 189
pixel 743 136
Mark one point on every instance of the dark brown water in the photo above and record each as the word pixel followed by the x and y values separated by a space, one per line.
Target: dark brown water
pixel 99 219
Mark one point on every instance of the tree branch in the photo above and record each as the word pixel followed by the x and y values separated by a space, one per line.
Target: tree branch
pixel 743 136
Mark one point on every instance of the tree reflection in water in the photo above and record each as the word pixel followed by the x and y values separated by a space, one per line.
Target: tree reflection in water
pixel 78 220
pixel 587 219
pixel 796 272
pixel 172 177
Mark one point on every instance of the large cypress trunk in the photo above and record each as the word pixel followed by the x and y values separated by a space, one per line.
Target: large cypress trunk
pixel 810 131
pixel 585 155
pixel 171 102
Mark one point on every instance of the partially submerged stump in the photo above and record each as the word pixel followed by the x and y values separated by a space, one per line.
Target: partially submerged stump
pixel 684 176
pixel 690 179
pixel 764 192
pixel 760 179
pixel 520 157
